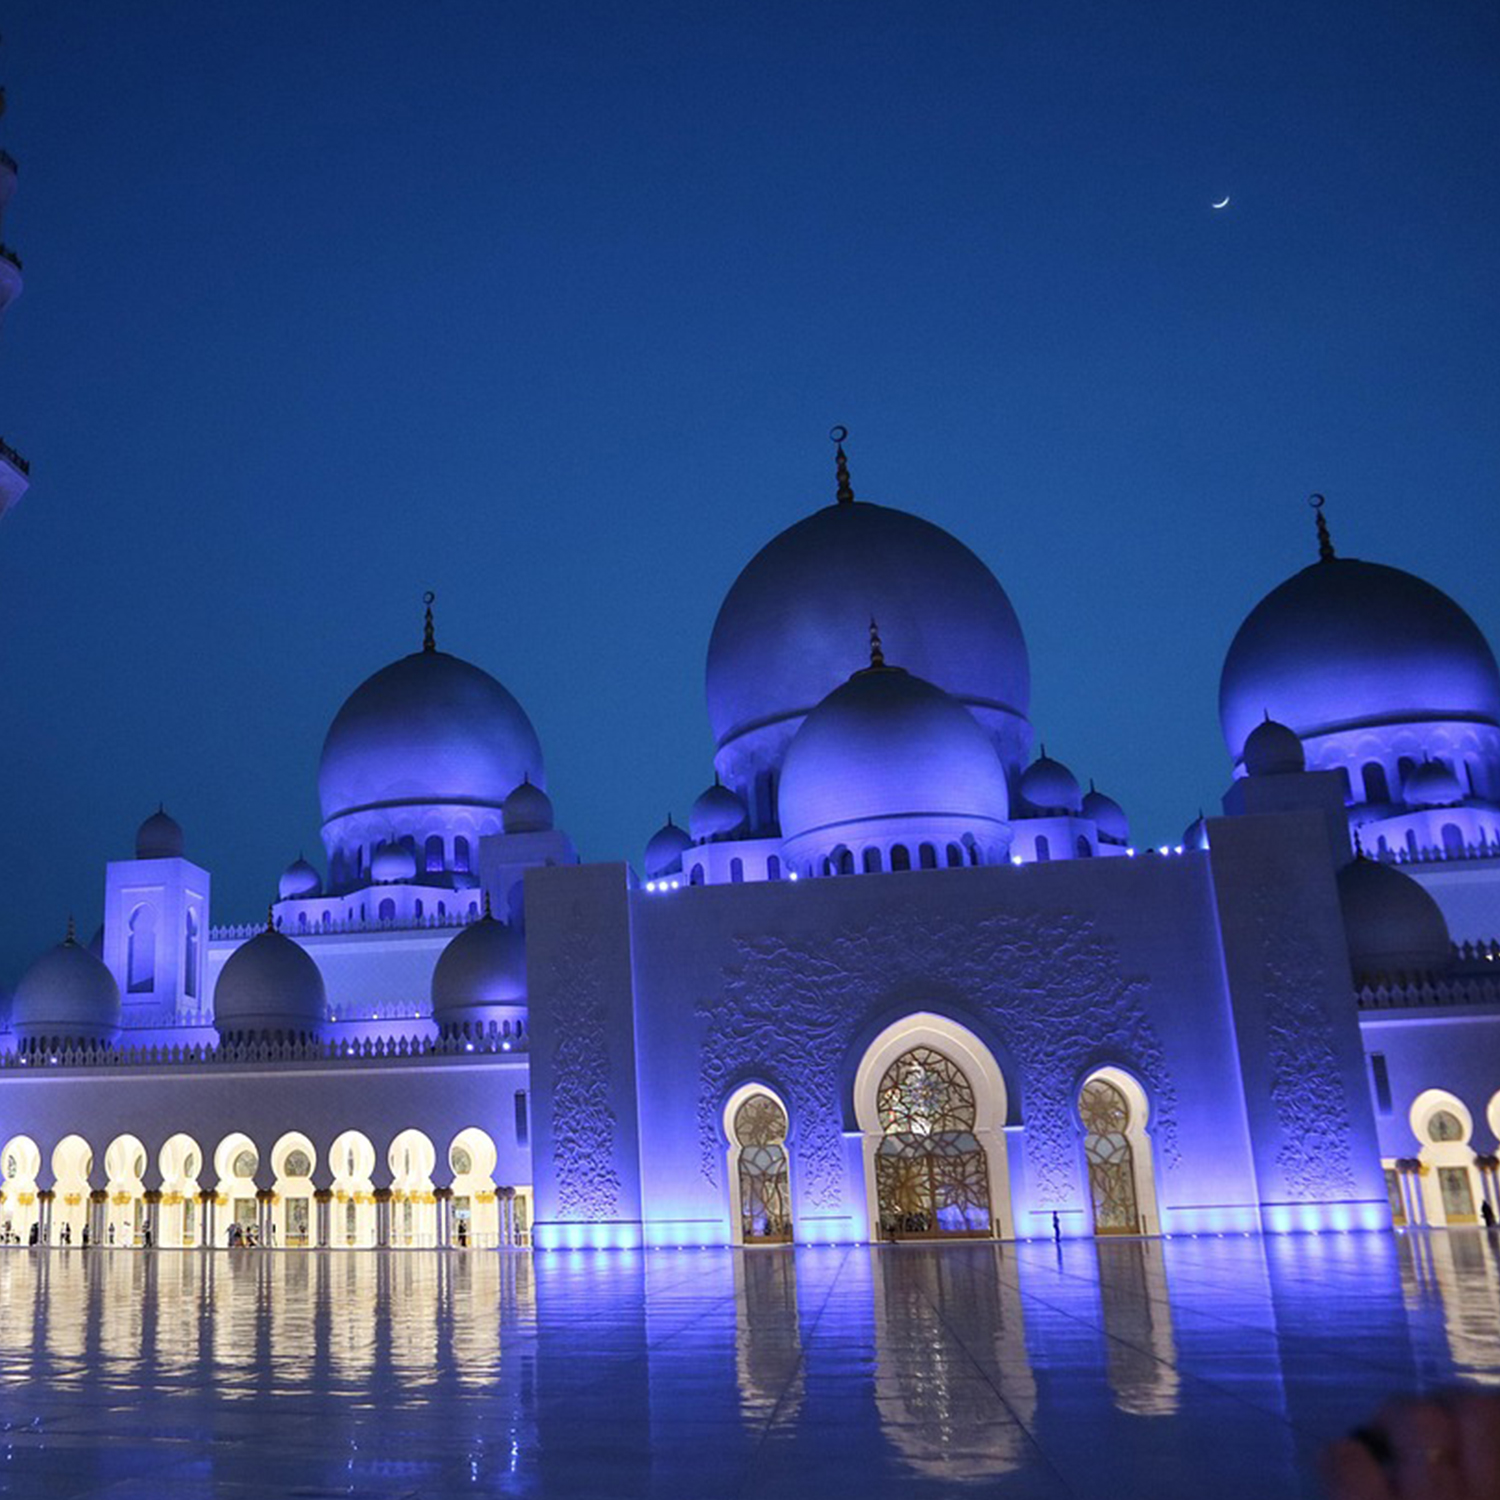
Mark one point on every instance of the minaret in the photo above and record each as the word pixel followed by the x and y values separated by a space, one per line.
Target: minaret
pixel 15 472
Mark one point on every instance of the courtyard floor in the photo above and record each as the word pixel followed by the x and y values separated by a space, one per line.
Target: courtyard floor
pixel 1188 1367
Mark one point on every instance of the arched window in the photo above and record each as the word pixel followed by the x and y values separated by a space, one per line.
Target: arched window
pixel 773 868
pixel 417 909
pixel 758 1131
pixel 927 857
pixel 387 911
pixel 1411 842
pixel 1376 787
pixel 696 878
pixel 1404 767
pixel 844 857
pixel 1453 841
pixel 461 854
pixel 900 857
pixel 972 847
pixel 1043 848
pixel 301 921
pixel 871 860
pixel 432 855
pixel 736 871
pixel 955 856
pixel 1085 849
pixel 190 944
pixel 1105 1113
pixel 140 950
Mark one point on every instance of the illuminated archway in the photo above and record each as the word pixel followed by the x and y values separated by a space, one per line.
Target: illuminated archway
pixel 1450 1185
pixel 352 1222
pixel 411 1159
pixel 931 1105
pixel 1113 1114
pixel 20 1163
pixel 125 1221
pixel 179 1220
pixel 476 1209
pixel 72 1166
pixel 760 1194
pixel 236 1161
pixel 293 1158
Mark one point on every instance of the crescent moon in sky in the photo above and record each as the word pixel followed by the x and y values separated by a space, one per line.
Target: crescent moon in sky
pixel 1224 204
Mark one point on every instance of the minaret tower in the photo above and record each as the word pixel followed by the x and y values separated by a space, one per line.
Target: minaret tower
pixel 15 472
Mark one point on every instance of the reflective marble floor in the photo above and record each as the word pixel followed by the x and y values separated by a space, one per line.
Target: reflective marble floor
pixel 1191 1367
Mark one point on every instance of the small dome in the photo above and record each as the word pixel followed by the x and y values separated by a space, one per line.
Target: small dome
pixel 1392 924
pixel 1346 644
pixel 1271 749
pixel 483 967
pixel 528 809
pixel 69 994
pixel 1195 835
pixel 269 984
pixel 299 879
pixel 392 862
pixel 717 814
pixel 888 745
pixel 1107 815
pixel 1050 787
pixel 159 837
pixel 665 849
pixel 1432 784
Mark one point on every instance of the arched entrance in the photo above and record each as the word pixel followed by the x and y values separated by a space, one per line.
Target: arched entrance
pixel 72 1164
pixel 931 1104
pixel 413 1202
pixel 20 1162
pixel 179 1218
pixel 125 1167
pixel 236 1161
pixel 292 1160
pixel 352 1221
pixel 759 1182
pixel 476 1209
pixel 1112 1113
pixel 1450 1183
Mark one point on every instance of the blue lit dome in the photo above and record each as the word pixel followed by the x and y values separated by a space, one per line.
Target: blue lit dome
pixel 1432 784
pixel 1392 925
pixel 429 728
pixel 1195 835
pixel 1346 644
pixel 716 814
pixel 1050 787
pixel 482 969
pixel 67 995
pixel 665 849
pixel 781 641
pixel 889 748
pixel 392 863
pixel 1271 749
pixel 528 809
pixel 269 986
pixel 1107 815
pixel 159 837
pixel 299 879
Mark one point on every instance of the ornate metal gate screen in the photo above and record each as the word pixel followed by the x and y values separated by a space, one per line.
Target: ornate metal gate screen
pixel 931 1173
pixel 1105 1113
pixel 759 1128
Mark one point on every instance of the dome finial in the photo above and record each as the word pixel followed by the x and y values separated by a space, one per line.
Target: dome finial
pixel 1359 846
pixel 270 916
pixel 841 466
pixel 72 936
pixel 877 656
pixel 429 635
pixel 1325 541
pixel 489 916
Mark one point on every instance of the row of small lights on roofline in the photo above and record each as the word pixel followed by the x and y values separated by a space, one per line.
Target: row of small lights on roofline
pixel 1015 859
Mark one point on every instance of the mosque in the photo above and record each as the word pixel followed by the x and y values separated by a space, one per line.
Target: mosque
pixel 898 977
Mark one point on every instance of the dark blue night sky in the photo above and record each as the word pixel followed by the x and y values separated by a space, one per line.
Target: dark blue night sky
pixel 549 309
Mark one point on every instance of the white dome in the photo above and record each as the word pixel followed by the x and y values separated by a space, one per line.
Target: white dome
pixel 665 849
pixel 159 837
pixel 483 969
pixel 299 879
pixel 528 809
pixel 1271 749
pixel 716 814
pixel 269 986
pixel 1107 815
pixel 1432 784
pixel 1392 924
pixel 391 863
pixel 1050 787
pixel 66 994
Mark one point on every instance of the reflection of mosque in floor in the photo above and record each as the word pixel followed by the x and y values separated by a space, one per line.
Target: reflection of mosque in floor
pixel 896 977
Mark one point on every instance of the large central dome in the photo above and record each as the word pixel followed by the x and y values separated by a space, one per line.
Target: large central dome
pixel 429 728
pixel 782 640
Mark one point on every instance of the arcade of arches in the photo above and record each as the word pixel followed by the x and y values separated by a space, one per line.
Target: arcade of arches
pixel 239 1195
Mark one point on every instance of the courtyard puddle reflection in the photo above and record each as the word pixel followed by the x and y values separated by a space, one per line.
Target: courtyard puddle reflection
pixel 1212 1365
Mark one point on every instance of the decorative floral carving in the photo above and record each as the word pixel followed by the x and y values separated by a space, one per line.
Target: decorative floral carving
pixel 583 1123
pixel 1312 1109
pixel 1047 983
